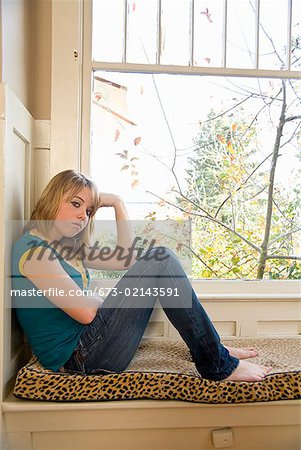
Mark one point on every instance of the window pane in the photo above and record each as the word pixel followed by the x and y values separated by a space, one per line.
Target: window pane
pixel 273 34
pixel 175 22
pixel 241 34
pixel 176 146
pixel 142 31
pixel 107 30
pixel 208 32
pixel 296 36
pixel 135 38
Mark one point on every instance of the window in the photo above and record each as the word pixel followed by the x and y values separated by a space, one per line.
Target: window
pixel 227 45
pixel 225 34
pixel 201 147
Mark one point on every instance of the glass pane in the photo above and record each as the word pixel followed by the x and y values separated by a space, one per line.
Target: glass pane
pixel 200 147
pixel 107 30
pixel 296 36
pixel 175 21
pixel 142 31
pixel 273 34
pixel 123 134
pixel 241 34
pixel 208 33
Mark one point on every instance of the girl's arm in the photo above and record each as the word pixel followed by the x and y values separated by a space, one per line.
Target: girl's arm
pixel 125 240
pixel 48 276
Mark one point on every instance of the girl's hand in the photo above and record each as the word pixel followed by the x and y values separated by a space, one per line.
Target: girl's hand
pixel 108 200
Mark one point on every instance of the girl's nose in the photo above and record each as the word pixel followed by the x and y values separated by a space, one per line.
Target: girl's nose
pixel 82 214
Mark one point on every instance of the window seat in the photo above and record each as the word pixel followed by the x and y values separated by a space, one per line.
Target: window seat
pixel 163 370
pixel 147 416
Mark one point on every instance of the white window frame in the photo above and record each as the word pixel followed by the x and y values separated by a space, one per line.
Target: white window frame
pixel 72 67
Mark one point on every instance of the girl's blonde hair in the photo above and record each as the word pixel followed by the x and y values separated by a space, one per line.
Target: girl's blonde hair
pixel 46 209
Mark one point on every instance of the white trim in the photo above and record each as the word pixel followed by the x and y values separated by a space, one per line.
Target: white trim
pixel 191 33
pixel 66 85
pixel 86 88
pixel 289 34
pixel 225 30
pixel 248 289
pixel 41 157
pixel 125 29
pixel 257 13
pixel 42 134
pixel 236 290
pixel 124 424
pixel 159 32
pixel 188 70
pixel 16 158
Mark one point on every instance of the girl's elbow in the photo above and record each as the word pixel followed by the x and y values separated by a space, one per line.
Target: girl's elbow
pixel 87 316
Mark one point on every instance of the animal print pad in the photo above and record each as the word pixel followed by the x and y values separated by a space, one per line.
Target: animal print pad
pixel 163 370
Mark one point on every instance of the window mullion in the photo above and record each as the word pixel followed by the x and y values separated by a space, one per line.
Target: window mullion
pixel 257 25
pixel 159 32
pixel 224 43
pixel 289 34
pixel 191 33
pixel 125 30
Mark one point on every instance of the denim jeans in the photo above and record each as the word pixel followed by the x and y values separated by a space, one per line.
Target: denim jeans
pixel 110 341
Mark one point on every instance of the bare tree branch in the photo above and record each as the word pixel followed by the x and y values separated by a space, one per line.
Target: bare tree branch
pixel 194 254
pixel 292 136
pixel 195 204
pixel 245 91
pixel 289 119
pixel 282 213
pixel 208 217
pixel 294 90
pixel 200 259
pixel 242 184
pixel 169 130
pixel 289 233
pixel 256 193
pixel 230 109
pixel 283 257
pixel 264 245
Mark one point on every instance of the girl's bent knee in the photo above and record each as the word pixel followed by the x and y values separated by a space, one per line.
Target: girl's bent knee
pixel 158 254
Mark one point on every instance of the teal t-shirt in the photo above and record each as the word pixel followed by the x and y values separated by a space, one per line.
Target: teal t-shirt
pixel 52 334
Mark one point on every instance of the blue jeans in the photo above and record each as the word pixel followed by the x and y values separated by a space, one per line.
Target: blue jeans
pixel 110 341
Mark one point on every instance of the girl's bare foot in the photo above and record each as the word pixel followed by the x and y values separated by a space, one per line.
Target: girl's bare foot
pixel 247 371
pixel 243 352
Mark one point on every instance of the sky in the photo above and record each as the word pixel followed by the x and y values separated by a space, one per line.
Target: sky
pixel 186 100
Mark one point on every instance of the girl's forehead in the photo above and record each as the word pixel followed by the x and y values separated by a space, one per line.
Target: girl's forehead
pixel 84 194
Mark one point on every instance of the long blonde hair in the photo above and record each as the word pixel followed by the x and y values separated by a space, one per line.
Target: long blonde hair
pixel 46 209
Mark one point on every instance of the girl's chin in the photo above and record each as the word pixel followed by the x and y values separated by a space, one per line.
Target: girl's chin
pixel 72 235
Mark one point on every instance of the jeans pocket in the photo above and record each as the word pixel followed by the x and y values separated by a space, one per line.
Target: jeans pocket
pixel 76 363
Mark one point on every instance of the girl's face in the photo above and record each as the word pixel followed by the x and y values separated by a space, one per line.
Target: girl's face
pixel 73 214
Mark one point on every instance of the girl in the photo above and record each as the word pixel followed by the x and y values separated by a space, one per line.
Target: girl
pixel 72 332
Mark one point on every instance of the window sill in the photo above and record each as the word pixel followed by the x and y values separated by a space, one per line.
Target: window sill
pixel 244 290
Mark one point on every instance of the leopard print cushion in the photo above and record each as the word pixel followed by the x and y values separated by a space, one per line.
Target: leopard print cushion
pixel 164 370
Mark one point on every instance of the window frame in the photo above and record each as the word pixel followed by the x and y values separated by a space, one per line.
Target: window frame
pixel 70 119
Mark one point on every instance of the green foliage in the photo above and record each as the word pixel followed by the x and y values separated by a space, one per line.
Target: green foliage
pixel 228 182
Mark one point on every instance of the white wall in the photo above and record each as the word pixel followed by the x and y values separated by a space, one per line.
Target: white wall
pixel 26 52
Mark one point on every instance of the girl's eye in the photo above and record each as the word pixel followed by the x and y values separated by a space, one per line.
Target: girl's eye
pixel 76 204
pixel 89 212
